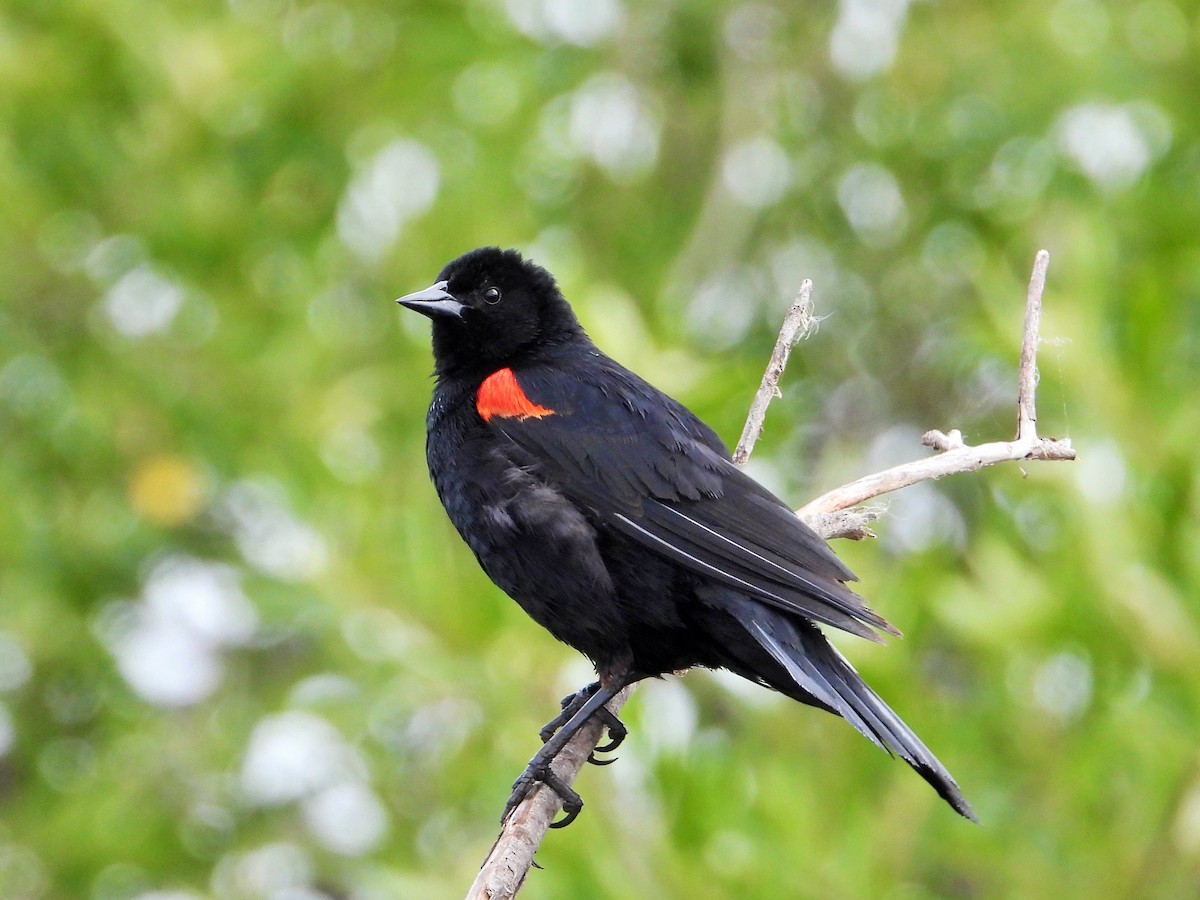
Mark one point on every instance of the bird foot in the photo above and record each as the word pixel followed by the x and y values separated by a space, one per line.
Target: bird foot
pixel 571 704
pixel 539 772
pixel 578 710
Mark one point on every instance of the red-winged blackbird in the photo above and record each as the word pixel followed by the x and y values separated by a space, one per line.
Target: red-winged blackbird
pixel 614 517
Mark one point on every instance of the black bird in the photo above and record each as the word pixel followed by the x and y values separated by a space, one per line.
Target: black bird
pixel 614 517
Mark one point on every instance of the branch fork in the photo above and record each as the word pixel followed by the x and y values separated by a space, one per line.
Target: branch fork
pixel 839 512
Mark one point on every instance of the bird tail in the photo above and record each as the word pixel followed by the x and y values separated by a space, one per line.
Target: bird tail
pixel 803 665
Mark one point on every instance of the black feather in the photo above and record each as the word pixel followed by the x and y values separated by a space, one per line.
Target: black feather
pixel 813 669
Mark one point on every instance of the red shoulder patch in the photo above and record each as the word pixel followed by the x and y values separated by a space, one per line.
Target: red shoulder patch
pixel 501 395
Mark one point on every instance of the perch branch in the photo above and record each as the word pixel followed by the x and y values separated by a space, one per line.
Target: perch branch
pixel 512 855
pixel 836 514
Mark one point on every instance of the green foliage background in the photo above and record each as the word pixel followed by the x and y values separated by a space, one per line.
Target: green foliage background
pixel 207 210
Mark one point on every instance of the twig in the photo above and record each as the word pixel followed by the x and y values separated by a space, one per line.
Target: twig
pixel 1027 375
pixel 835 514
pixel 834 510
pixel 798 324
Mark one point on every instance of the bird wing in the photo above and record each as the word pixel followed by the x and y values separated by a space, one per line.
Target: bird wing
pixel 649 469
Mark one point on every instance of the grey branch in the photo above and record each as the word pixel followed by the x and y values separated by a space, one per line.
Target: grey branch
pixel 798 324
pixel 1027 374
pixel 838 513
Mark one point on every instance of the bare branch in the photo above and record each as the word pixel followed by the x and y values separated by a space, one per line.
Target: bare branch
pixel 950 462
pixel 1027 375
pixel 798 324
pixel 853 523
pixel 955 456
pixel 838 513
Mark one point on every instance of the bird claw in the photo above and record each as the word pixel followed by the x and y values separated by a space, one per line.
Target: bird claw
pixel 617 732
pixel 534 775
pixel 572 808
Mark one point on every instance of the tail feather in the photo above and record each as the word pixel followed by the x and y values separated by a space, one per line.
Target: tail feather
pixel 816 673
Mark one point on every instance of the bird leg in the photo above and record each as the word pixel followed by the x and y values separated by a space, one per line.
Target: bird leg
pixel 617 732
pixel 539 772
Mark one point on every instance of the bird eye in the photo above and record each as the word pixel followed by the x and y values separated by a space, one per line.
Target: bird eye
pixel 492 295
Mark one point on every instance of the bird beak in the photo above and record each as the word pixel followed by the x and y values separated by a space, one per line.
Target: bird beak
pixel 434 302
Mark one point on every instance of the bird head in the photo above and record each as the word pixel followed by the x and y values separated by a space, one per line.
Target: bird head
pixel 491 308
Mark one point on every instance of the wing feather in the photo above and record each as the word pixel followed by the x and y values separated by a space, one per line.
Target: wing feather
pixel 646 466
